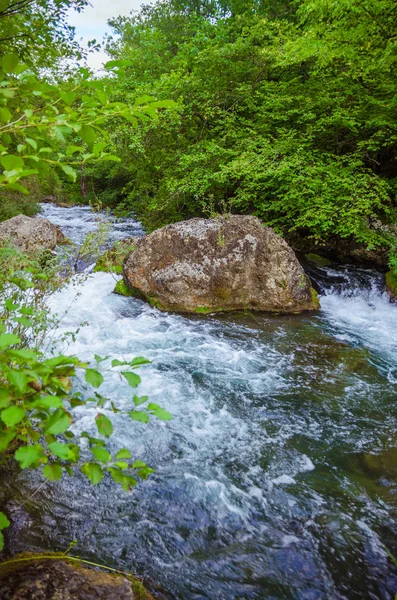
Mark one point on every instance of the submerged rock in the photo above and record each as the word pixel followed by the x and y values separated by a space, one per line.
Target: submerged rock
pixel 319 261
pixel 224 264
pixel 29 233
pixel 62 240
pixel 61 580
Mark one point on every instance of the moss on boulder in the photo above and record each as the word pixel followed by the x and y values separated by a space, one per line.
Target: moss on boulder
pixel 52 577
pixel 122 290
pixel 391 285
pixel 318 260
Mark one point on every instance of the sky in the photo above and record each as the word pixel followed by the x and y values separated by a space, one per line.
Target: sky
pixel 92 23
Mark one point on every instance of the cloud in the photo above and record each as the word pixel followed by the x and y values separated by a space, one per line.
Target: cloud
pixel 92 23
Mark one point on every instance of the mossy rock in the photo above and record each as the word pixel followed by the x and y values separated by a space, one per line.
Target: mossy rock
pixel 51 577
pixel 315 299
pixel 122 290
pixel 112 260
pixel 319 261
pixel 391 285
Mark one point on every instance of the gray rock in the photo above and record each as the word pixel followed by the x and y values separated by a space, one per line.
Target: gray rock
pixel 224 264
pixel 29 233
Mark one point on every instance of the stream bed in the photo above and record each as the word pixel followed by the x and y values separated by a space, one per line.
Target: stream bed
pixel 276 478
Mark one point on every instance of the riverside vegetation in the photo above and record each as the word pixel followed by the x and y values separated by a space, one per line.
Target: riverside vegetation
pixel 282 110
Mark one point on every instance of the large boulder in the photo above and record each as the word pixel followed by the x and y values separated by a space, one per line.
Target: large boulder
pixel 29 233
pixel 52 579
pixel 224 264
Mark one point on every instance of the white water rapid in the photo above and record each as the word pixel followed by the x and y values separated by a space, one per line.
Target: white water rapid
pixel 276 478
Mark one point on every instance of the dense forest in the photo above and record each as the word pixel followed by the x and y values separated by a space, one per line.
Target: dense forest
pixel 283 110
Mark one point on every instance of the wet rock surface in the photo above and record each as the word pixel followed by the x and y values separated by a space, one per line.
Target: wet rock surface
pixel 29 234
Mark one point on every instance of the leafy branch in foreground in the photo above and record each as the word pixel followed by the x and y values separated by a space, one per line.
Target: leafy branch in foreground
pixel 37 398
pixel 58 125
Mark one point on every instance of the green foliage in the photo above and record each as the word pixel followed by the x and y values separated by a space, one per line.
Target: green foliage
pixel 4 523
pixel 112 260
pixel 36 392
pixel 284 111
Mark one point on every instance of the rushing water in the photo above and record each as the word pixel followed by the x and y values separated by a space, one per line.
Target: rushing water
pixel 277 477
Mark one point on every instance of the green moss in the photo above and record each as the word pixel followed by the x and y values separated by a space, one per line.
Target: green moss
pixel 204 310
pixel 139 591
pixel 318 260
pixel 391 282
pixel 122 289
pixel 155 302
pixel 315 299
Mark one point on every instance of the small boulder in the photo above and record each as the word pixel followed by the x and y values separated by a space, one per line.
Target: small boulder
pixel 223 264
pixel 52 579
pixel 29 233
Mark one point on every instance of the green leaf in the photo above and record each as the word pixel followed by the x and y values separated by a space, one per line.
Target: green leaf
pixel 4 522
pixel 68 97
pixel 121 465
pixel 58 422
pixel 18 380
pixel 24 321
pixel 11 162
pixel 112 64
pixel 137 415
pixel 6 437
pixel 159 412
pixel 9 339
pixel 70 172
pixel 27 455
pixel 4 4
pixel 140 400
pixel 24 354
pixel 12 415
pixel 104 425
pixel 32 143
pixel 139 360
pixel 117 363
pixel 10 62
pixel 94 378
pixel 5 115
pixel 52 472
pixel 123 453
pixel 144 100
pixel 133 379
pixel 49 402
pixel 139 464
pixel 99 359
pixel 88 135
pixel 93 471
pixel 1 541
pixel 101 454
pixel 62 451
pixel 111 157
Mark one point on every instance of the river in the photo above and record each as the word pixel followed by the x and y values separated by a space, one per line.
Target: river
pixel 276 478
